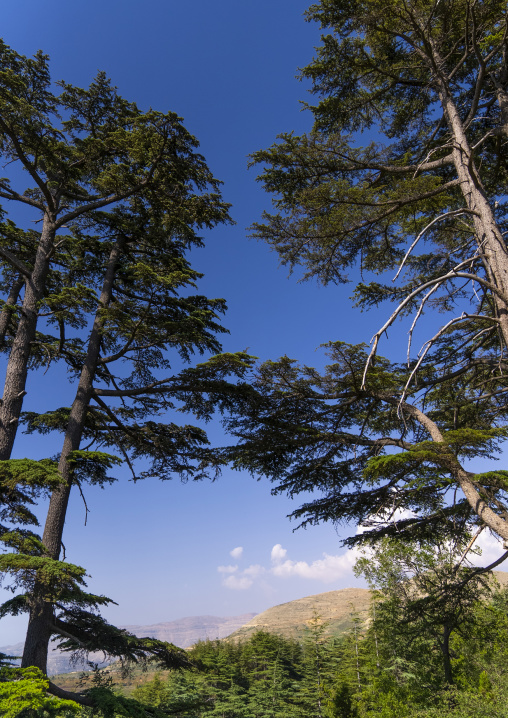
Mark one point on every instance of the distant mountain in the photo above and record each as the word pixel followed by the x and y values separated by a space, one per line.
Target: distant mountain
pixel 58 661
pixel 186 631
pixel 183 633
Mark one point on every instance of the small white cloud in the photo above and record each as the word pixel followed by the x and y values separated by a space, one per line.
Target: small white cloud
pixel 278 553
pixel 227 569
pixel 242 580
pixel 254 570
pixel 238 583
pixel 236 552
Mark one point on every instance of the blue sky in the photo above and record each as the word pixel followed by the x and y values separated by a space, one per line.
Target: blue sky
pixel 165 551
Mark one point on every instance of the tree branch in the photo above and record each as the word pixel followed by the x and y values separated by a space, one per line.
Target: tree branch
pixel 59 630
pixel 28 165
pixel 437 281
pixel 451 464
pixel 454 213
pixel 15 262
pixel 156 387
pixel 8 193
pixel 80 698
pixel 96 204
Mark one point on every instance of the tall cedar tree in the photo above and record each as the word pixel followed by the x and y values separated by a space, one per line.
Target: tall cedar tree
pixel 425 204
pixel 114 295
pixel 82 150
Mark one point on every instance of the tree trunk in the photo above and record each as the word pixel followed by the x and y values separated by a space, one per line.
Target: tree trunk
pixel 41 618
pixel 35 651
pixel 491 244
pixel 6 313
pixel 17 366
pixel 445 649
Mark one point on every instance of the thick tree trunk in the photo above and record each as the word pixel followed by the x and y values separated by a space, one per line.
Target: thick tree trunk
pixel 491 244
pixel 17 366
pixel 41 617
pixel 35 651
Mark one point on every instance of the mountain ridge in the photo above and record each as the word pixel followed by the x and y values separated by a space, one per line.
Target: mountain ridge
pixel 182 632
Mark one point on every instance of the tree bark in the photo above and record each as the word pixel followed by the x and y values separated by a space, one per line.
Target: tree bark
pixel 70 695
pixel 35 651
pixel 445 650
pixel 17 366
pixel 6 313
pixel 491 245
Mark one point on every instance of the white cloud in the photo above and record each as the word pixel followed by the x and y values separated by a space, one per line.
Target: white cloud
pixel 327 569
pixel 278 553
pixel 238 583
pixel 227 569
pixel 240 580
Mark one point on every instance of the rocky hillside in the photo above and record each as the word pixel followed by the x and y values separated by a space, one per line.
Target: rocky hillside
pixel 335 608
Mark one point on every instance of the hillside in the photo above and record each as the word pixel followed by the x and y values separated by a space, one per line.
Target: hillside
pixel 336 608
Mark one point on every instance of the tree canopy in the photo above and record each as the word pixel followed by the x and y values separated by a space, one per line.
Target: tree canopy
pixel 105 288
pixel 402 178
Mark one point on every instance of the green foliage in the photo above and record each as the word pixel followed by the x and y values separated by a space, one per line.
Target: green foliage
pixel 114 300
pixel 55 579
pixel 22 481
pixel 366 455
pixel 410 116
pixel 179 696
pixel 340 704
pixel 30 473
pixel 23 694
pixel 92 466
pixel 338 202
pixel 267 675
pixel 429 593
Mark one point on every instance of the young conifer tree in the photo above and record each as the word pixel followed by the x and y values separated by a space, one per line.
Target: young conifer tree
pixel 427 595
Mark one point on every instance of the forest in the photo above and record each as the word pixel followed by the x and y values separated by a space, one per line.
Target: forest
pixel 374 671
pixel 398 187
